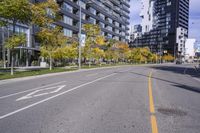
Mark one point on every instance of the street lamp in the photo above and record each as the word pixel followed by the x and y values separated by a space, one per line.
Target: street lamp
pixel 80 25
pixel 80 32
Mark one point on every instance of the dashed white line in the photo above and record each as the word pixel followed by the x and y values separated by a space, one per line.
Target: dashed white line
pixel 52 97
pixel 197 79
pixel 89 75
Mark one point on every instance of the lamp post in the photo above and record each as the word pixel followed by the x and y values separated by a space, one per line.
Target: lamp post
pixel 3 47
pixel 80 32
pixel 160 54
pixel 80 27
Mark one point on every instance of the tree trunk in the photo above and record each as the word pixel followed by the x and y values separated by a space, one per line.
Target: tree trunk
pixel 90 57
pixel 89 63
pixel 50 63
pixel 12 64
pixel 12 51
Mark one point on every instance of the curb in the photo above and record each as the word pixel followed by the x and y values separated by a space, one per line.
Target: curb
pixel 50 74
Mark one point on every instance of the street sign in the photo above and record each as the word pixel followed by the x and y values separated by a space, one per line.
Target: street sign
pixel 83 38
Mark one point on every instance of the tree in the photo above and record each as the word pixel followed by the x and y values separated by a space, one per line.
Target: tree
pixel 92 37
pixel 98 54
pixel 45 14
pixel 141 55
pixel 110 43
pixel 14 12
pixel 154 58
pixel 168 58
pixel 52 41
pixel 100 40
pixel 11 43
pixel 123 49
pixel 112 54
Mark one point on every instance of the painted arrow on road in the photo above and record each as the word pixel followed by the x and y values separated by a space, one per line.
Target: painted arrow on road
pixel 42 92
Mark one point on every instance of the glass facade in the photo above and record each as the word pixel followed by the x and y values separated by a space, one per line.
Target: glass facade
pixel 161 23
pixel 112 16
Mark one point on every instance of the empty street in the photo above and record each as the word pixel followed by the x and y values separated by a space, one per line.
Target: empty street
pixel 125 99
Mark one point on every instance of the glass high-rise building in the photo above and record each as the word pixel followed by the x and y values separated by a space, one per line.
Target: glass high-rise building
pixel 164 26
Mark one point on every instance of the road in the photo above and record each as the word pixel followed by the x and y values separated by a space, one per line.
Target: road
pixel 127 99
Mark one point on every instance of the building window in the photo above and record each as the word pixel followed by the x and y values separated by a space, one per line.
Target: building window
pixel 117 31
pixel 67 20
pixel 102 25
pixel 102 33
pixel 117 24
pixel 67 7
pixel 67 32
pixel 101 16
pixel 109 20
pixel 92 20
pixel 109 36
pixel 109 28
pixel 92 10
pixel 83 16
pixel 82 4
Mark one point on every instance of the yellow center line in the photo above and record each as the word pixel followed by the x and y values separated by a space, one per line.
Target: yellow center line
pixel 151 103
pixel 154 126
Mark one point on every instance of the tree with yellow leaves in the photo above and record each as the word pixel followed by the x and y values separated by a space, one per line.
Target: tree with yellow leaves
pixel 168 58
pixel 52 43
pixel 98 54
pixel 12 42
pixel 123 50
pixel 51 37
pixel 45 13
pixel 92 39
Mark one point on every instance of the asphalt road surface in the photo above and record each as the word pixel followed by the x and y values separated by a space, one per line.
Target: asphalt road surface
pixel 127 99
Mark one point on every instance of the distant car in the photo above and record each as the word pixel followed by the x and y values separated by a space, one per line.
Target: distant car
pixel 179 62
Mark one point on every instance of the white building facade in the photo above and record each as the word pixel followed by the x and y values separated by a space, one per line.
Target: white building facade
pixel 147 15
pixel 190 50
pixel 181 37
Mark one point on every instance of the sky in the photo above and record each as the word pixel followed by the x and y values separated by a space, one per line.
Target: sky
pixel 194 21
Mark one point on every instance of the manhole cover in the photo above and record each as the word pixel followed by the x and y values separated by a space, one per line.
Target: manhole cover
pixel 172 112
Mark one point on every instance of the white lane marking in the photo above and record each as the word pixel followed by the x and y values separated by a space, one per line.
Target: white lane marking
pixel 52 97
pixel 197 79
pixel 33 94
pixel 6 96
pixel 89 75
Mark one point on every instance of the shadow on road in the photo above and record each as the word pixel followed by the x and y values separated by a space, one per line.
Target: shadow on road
pixel 179 70
pixel 182 86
